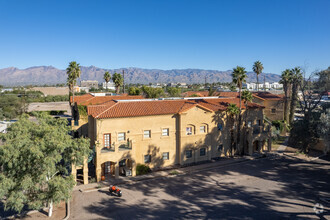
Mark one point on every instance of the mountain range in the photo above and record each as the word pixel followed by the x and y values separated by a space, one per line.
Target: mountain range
pixel 40 75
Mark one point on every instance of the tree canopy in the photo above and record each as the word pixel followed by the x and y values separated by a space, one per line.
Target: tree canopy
pixel 152 92
pixel 174 92
pixel 35 160
pixel 134 91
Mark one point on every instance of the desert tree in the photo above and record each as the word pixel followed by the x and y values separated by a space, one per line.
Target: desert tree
pixel 35 158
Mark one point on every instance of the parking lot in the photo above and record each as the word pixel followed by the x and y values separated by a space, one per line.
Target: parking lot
pixel 272 188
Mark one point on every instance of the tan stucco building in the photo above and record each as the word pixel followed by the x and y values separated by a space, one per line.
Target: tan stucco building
pixel 160 133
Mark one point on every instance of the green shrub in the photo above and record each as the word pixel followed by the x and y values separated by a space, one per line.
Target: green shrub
pixel 174 172
pixel 142 169
pixel 279 125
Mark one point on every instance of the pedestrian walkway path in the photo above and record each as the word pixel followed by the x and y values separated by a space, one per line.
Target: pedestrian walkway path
pixel 166 173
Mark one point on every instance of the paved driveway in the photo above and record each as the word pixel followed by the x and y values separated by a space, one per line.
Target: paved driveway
pixel 270 188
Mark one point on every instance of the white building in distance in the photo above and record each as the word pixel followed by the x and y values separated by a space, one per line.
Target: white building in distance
pixel 269 86
pixel 109 85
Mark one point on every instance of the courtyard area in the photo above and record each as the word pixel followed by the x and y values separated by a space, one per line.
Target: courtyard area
pixel 275 187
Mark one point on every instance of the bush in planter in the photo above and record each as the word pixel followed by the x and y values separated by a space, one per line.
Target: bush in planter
pixel 142 169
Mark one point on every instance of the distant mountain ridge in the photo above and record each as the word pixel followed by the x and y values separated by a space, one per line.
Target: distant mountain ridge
pixel 39 75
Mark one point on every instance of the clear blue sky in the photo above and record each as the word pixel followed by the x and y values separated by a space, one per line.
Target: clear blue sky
pixel 166 34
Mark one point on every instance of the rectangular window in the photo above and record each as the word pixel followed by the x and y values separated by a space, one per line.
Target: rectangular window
pixel 202 152
pixel 165 132
pixel 189 131
pixel 220 147
pixel 219 127
pixel 273 110
pixel 202 129
pixel 259 122
pixel 107 140
pixel 165 156
pixel 188 153
pixel 147 158
pixel 121 136
pixel 147 134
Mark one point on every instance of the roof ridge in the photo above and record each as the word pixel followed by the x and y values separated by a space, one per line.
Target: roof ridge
pixel 106 110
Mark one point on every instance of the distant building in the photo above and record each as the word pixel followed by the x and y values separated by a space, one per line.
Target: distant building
pixel 267 85
pixel 109 85
pixel 89 83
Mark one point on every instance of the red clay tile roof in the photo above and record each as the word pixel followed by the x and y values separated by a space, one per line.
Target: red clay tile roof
pixel 119 109
pixel 267 96
pixel 89 99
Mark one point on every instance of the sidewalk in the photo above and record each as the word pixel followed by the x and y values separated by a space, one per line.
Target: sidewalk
pixel 167 173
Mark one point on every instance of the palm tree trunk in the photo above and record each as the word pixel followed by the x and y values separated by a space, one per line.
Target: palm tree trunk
pixel 293 101
pixel 239 121
pixel 257 82
pixel 285 87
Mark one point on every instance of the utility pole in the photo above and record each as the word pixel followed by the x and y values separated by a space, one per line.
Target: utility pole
pixel 124 81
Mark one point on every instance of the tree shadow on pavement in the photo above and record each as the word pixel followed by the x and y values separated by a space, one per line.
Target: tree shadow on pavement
pixel 216 194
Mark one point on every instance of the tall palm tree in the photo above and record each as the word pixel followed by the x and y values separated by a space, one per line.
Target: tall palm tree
pixel 296 79
pixel 257 68
pixel 286 79
pixel 73 71
pixel 118 80
pixel 239 77
pixel 246 97
pixel 232 111
pixel 107 78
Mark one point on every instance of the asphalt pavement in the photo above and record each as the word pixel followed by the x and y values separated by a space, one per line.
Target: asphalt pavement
pixel 275 187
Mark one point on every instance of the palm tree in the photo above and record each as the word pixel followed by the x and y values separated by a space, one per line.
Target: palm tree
pixel 107 78
pixel 286 79
pixel 239 77
pixel 73 72
pixel 257 68
pixel 296 79
pixel 232 111
pixel 118 80
pixel 247 97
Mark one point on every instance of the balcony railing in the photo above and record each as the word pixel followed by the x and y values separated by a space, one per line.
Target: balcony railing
pixel 126 146
pixel 107 149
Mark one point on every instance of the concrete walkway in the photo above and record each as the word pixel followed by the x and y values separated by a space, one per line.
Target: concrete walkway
pixel 170 172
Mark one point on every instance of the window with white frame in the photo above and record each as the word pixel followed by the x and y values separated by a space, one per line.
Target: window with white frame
pixel 147 158
pixel 121 136
pixel 165 132
pixel 147 134
pixel 107 140
pixel 188 153
pixel 165 155
pixel 189 130
pixel 202 129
